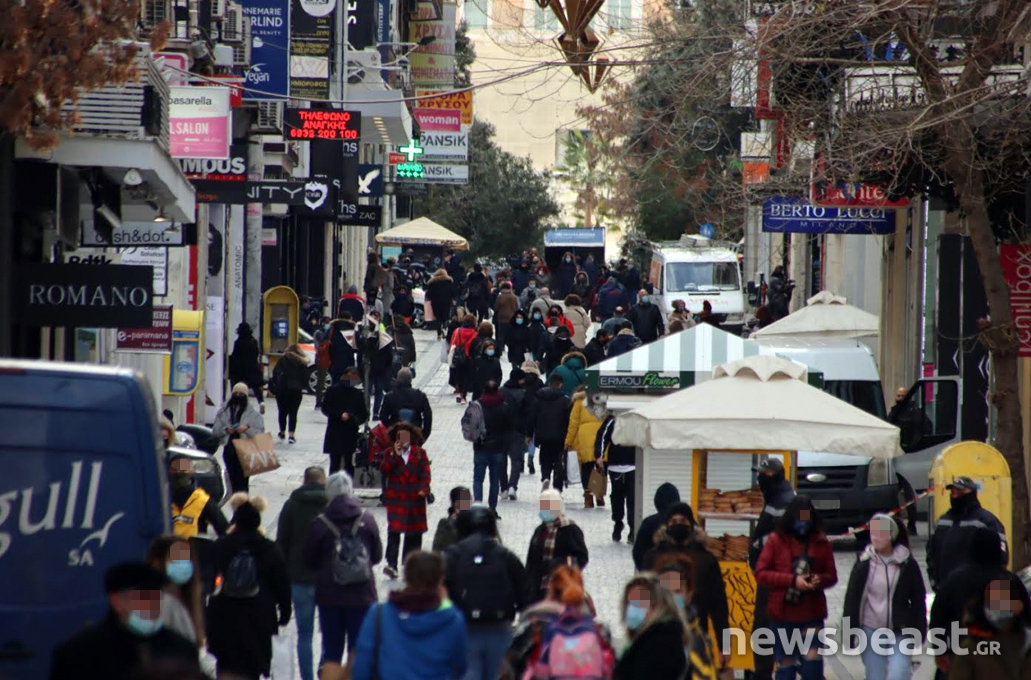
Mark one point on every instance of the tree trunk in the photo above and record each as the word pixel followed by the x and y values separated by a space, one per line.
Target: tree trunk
pixel 999 336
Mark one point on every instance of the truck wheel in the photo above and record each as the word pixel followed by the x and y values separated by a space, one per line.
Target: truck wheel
pixel 313 380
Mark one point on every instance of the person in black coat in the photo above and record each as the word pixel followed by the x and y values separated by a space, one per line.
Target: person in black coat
pixel 539 338
pixel 343 350
pixel 129 637
pixel 549 423
pixel 595 349
pixel 567 545
pixel 240 629
pixel 682 535
pixel 665 497
pixel 566 273
pixel 405 403
pixel 486 367
pixel 491 450
pixel 954 531
pixel 477 289
pixel 517 339
pixel 646 319
pixel 403 304
pixel 440 293
pixel 555 347
pixel 245 362
pixel 657 642
pixel 345 408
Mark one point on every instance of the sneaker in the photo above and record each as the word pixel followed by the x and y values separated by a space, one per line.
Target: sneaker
pixel 630 538
pixel 282 435
pixel 600 501
pixel 293 439
pixel 617 534
pixel 512 494
pixel 262 409
pixel 390 572
pixel 496 515
pixel 533 470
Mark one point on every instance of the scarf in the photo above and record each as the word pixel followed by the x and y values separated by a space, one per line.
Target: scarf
pixel 550 538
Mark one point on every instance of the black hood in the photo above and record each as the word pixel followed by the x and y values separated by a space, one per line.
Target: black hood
pixel 986 548
pixel 476 520
pixel 665 496
pixel 551 394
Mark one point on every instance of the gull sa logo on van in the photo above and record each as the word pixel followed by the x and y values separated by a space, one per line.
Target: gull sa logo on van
pixel 69 506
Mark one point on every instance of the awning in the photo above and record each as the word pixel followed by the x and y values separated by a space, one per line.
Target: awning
pixel 575 238
pixel 757 404
pixel 385 117
pixel 675 361
pixel 168 187
pixel 825 315
pixel 422 232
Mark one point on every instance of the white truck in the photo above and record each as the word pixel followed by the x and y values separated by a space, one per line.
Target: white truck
pixel 695 270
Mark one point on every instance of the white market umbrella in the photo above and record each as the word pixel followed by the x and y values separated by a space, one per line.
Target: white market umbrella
pixel 826 315
pixel 422 232
pixel 757 403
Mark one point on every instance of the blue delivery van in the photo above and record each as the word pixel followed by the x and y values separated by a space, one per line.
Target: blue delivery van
pixel 82 487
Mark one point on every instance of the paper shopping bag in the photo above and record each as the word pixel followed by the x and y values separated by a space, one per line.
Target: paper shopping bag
pixel 427 312
pixel 572 468
pixel 257 454
pixel 598 483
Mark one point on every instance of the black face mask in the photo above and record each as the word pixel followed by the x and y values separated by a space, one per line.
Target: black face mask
pixel 180 480
pixel 963 503
pixel 238 400
pixel 768 483
pixel 679 532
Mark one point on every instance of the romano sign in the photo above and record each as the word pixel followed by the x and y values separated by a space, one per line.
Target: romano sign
pixel 85 295
pixel 650 380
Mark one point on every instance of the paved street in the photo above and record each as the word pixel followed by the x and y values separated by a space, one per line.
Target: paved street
pixel 610 564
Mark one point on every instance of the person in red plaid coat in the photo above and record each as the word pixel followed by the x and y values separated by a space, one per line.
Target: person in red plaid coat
pixel 406 470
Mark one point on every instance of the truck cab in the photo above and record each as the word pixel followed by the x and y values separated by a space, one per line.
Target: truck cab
pixel 698 270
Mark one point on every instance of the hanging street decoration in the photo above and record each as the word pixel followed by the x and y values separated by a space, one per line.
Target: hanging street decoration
pixel 578 43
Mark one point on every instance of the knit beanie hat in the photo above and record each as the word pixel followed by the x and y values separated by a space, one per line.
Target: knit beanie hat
pixel 553 495
pixel 893 528
pixel 530 367
pixel 339 484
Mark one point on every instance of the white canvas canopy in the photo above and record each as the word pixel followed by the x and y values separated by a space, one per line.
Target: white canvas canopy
pixel 758 403
pixel 826 315
pixel 422 232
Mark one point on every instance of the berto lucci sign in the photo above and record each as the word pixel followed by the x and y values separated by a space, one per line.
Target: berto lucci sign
pixel 791 214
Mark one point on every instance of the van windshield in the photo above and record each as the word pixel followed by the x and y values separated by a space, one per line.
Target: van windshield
pixel 701 276
pixel 863 394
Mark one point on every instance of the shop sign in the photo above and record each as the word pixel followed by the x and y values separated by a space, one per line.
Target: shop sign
pixel 198 122
pixel 794 214
pixel 370 180
pixel 438 120
pixel 157 339
pixel 440 173
pixel 304 124
pixel 313 193
pixel 447 101
pixel 133 234
pixel 232 169
pixel 433 65
pixel 650 380
pixel 1016 268
pixel 149 257
pixel 445 146
pixel 853 195
pixel 269 72
pixel 87 295
pixel 356 215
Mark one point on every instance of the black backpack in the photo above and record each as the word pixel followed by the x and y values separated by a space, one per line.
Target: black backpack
pixel 486 594
pixel 350 562
pixel 241 578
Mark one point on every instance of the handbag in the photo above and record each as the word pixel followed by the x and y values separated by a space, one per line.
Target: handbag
pixel 257 454
pixel 598 483
pixel 572 468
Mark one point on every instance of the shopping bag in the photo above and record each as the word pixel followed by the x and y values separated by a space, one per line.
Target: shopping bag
pixel 257 454
pixel 282 658
pixel 598 483
pixel 572 468
pixel 427 312
pixel 444 347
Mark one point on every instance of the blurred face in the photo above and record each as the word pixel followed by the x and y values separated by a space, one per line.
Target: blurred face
pixel 405 437
pixel 900 394
pixel 464 502
pixel 678 519
pixel 180 550
pixel 805 516
pixel 880 533
pixel 145 603
pixel 999 604
pixel 639 597
pixel 672 582
pixel 179 466
pixel 552 506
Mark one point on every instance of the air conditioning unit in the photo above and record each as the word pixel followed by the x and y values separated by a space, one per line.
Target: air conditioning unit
pixel 233 25
pixel 242 50
pixel 218 10
pixel 270 116
pixel 155 12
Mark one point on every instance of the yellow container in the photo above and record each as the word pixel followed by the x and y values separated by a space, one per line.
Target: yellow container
pixel 280 321
pixel 184 368
pixel 985 465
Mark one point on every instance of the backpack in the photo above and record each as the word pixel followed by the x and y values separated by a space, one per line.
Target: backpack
pixel 241 578
pixel 322 356
pixel 350 562
pixel 486 594
pixel 572 647
pixel 474 427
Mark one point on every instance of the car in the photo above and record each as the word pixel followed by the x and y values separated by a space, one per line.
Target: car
pixel 310 348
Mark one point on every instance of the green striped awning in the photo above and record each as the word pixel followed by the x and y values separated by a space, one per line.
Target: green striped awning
pixel 673 361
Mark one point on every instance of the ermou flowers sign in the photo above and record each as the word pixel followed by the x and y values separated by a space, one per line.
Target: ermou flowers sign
pixel 85 295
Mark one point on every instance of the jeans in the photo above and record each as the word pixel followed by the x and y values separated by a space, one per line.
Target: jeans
pixel 288 403
pixel 379 385
pixel 413 542
pixel 553 463
pixel 304 614
pixel 621 493
pixel 486 652
pixel 792 662
pixel 340 625
pixel 494 461
pixel 892 666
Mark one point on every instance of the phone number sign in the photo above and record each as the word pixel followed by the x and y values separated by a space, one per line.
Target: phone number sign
pixel 304 124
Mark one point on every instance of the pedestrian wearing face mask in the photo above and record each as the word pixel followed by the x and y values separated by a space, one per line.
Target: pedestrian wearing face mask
pixel 237 419
pixel 1001 622
pixel 680 314
pixel 646 318
pixel 538 337
pixel 797 566
pixel 486 367
pixel 346 412
pixel 182 610
pixel 556 541
pixel 656 632
pixel 954 532
pixel 193 510
pixel 886 592
pixel 130 637
pixel 678 578
pixel 517 340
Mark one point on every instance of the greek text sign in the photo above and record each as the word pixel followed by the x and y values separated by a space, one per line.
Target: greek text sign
pixel 792 214
pixel 461 101
pixel 72 295
pixel 155 339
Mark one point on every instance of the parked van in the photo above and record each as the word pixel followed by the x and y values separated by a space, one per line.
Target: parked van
pixel 696 270
pixel 83 487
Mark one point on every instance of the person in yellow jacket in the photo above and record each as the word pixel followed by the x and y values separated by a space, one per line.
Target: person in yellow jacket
pixel 583 429
pixel 193 510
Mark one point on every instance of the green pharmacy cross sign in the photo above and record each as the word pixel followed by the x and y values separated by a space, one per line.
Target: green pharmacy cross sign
pixel 413 150
pixel 409 170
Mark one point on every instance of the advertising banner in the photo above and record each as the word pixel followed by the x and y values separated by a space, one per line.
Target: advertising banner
pixel 438 120
pixel 853 195
pixel 794 214
pixel 460 101
pixel 361 23
pixel 89 295
pixel 433 65
pixel 336 164
pixel 312 193
pixel 157 339
pixel 357 215
pixel 270 48
pixel 157 258
pixel 1016 267
pixel 214 363
pixel 132 234
pixel 370 181
pixel 445 146
pixel 311 27
pixel 440 173
pixel 231 169
pixel 198 122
